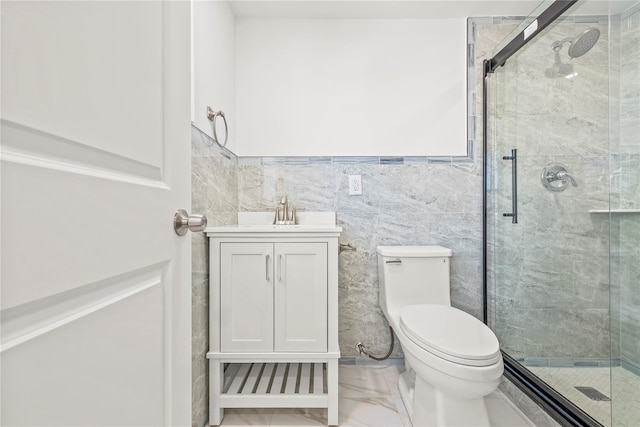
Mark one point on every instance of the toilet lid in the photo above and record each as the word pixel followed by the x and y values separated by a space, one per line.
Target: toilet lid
pixel 451 334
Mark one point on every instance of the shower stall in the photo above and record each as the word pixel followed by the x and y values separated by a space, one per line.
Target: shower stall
pixel 562 208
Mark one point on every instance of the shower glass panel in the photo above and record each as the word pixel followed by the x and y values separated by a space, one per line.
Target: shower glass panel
pixel 625 215
pixel 549 271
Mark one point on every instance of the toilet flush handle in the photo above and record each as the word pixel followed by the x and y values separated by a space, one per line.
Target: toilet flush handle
pixel 394 261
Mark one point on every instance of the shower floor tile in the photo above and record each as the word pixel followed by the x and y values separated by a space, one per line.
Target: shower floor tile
pixel 625 397
pixel 368 396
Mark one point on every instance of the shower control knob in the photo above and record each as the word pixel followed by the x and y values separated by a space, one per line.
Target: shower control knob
pixel 183 222
pixel 555 177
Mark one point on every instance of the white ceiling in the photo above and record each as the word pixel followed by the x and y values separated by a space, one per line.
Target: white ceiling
pixel 398 9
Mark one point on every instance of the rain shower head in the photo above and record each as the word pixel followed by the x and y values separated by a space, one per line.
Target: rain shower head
pixel 580 44
pixel 584 42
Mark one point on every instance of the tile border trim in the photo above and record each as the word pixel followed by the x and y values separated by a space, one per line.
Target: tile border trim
pixel 349 160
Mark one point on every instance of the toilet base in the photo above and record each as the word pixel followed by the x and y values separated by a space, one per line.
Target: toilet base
pixel 428 407
pixel 406 387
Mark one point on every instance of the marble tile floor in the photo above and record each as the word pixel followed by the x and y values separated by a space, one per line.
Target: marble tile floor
pixel 624 395
pixel 368 396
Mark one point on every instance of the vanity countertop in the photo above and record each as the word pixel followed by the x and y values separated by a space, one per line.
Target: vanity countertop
pixel 262 222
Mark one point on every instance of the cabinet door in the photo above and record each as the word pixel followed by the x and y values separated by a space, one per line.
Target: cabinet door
pixel 246 297
pixel 301 297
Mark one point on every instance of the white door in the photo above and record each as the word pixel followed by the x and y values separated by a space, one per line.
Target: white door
pixel 246 297
pixel 95 161
pixel 301 297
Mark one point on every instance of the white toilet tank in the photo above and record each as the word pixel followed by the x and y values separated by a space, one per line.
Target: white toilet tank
pixel 413 275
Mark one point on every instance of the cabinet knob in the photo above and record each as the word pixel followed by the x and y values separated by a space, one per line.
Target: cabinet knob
pixel 183 222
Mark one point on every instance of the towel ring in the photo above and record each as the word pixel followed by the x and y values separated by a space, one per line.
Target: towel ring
pixel 212 115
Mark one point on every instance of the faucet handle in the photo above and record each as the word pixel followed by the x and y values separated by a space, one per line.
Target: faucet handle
pixel 563 175
pixel 277 217
pixel 294 217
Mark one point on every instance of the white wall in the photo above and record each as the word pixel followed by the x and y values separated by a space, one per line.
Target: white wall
pixel 312 87
pixel 213 66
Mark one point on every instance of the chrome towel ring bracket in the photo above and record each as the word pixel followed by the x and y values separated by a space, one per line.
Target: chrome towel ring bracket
pixel 212 116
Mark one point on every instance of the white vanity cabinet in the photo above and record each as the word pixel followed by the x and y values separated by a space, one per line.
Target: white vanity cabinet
pixel 273 297
pixel 274 315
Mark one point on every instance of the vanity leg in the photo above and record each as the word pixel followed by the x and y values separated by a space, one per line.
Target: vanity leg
pixel 216 382
pixel 332 391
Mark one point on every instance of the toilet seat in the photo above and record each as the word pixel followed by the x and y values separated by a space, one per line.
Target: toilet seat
pixel 450 334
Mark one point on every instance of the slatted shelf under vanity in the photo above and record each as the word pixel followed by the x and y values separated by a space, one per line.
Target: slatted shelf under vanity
pixel 248 385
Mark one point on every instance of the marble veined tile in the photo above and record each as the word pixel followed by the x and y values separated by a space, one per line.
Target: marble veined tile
pixel 299 417
pixel 401 205
pixel 247 417
pixel 356 381
pixel 214 193
pixel 503 413
pixel 392 374
pixel 371 411
pixel 352 412
pixel 368 411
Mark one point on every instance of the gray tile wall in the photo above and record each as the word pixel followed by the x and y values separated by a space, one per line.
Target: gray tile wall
pixel 402 204
pixel 214 187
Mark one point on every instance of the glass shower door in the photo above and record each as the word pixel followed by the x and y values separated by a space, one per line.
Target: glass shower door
pixel 625 215
pixel 549 270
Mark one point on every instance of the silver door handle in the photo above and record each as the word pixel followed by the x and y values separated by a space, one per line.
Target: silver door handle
pixel 514 185
pixel 280 268
pixel 183 222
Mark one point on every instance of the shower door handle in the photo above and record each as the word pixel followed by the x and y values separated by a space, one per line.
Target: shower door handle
pixel 514 186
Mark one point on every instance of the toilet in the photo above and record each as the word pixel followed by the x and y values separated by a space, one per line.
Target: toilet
pixel 452 359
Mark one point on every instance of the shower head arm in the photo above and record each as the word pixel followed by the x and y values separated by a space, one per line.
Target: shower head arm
pixel 557 45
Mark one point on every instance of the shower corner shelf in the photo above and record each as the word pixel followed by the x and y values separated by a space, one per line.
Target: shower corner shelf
pixel 613 211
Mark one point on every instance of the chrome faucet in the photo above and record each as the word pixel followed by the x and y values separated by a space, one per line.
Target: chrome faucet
pixel 285 207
